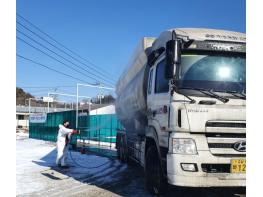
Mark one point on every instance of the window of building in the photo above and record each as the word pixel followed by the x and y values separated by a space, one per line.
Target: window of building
pixel 20 117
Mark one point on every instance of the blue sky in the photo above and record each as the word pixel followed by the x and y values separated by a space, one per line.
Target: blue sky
pixel 107 31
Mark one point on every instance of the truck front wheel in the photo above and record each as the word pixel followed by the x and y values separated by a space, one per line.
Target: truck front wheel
pixel 155 180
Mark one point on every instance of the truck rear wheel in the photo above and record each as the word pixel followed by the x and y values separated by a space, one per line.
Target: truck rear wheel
pixel 155 180
pixel 123 150
pixel 118 145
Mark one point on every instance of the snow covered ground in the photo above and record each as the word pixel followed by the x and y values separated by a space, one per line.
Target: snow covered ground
pixel 37 174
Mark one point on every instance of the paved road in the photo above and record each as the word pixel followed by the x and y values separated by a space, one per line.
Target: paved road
pixel 37 175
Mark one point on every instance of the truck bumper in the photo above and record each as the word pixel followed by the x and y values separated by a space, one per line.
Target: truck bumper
pixel 178 177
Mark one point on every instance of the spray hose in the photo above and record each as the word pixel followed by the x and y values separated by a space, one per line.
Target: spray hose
pixel 90 129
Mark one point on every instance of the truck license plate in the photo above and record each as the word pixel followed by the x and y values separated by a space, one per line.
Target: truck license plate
pixel 238 166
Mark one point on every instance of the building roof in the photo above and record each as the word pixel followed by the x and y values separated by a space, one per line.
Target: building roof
pixel 110 109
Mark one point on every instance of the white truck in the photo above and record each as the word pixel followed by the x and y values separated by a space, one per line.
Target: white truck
pixel 182 102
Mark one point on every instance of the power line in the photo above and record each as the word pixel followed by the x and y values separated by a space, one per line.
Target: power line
pixel 32 61
pixel 54 40
pixel 55 59
pixel 46 87
pixel 51 56
pixel 34 92
pixel 63 57
pixel 60 49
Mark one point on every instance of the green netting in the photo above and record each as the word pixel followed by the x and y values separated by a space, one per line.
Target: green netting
pixel 101 128
pixel 48 130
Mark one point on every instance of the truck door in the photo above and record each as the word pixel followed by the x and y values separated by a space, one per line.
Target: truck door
pixel 158 100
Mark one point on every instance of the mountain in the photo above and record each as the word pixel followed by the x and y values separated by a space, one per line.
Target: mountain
pixel 21 96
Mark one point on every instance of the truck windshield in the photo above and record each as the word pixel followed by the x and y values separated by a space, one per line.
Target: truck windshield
pixel 220 72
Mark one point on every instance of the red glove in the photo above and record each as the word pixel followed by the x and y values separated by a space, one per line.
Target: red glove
pixel 74 132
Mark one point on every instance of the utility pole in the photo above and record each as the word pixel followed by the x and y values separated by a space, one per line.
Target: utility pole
pixel 77 108
pixel 29 104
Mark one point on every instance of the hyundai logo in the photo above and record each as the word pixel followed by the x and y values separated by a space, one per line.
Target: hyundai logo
pixel 240 146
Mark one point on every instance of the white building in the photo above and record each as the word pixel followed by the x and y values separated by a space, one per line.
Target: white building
pixel 22 120
pixel 110 109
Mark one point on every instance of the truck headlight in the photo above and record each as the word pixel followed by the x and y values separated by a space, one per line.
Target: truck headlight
pixel 184 146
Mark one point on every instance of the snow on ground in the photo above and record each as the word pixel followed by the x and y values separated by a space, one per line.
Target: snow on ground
pixel 37 174
pixel 22 135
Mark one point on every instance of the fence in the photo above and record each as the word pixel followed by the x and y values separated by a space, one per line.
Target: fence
pixel 100 128
pixel 25 109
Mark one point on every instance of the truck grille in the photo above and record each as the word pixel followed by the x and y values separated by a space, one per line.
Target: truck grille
pixel 226 124
pixel 223 140
pixel 221 145
pixel 226 135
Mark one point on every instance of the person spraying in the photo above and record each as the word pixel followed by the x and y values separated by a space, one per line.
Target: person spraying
pixel 63 138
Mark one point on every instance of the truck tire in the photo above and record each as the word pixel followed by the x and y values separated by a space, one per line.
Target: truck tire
pixel 123 149
pixel 155 180
pixel 118 146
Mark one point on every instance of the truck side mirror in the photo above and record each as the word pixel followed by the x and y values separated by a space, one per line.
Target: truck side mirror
pixel 173 58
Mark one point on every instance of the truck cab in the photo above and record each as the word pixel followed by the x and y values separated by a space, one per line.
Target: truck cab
pixel 195 128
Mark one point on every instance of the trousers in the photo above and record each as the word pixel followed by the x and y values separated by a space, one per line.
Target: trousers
pixel 62 152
